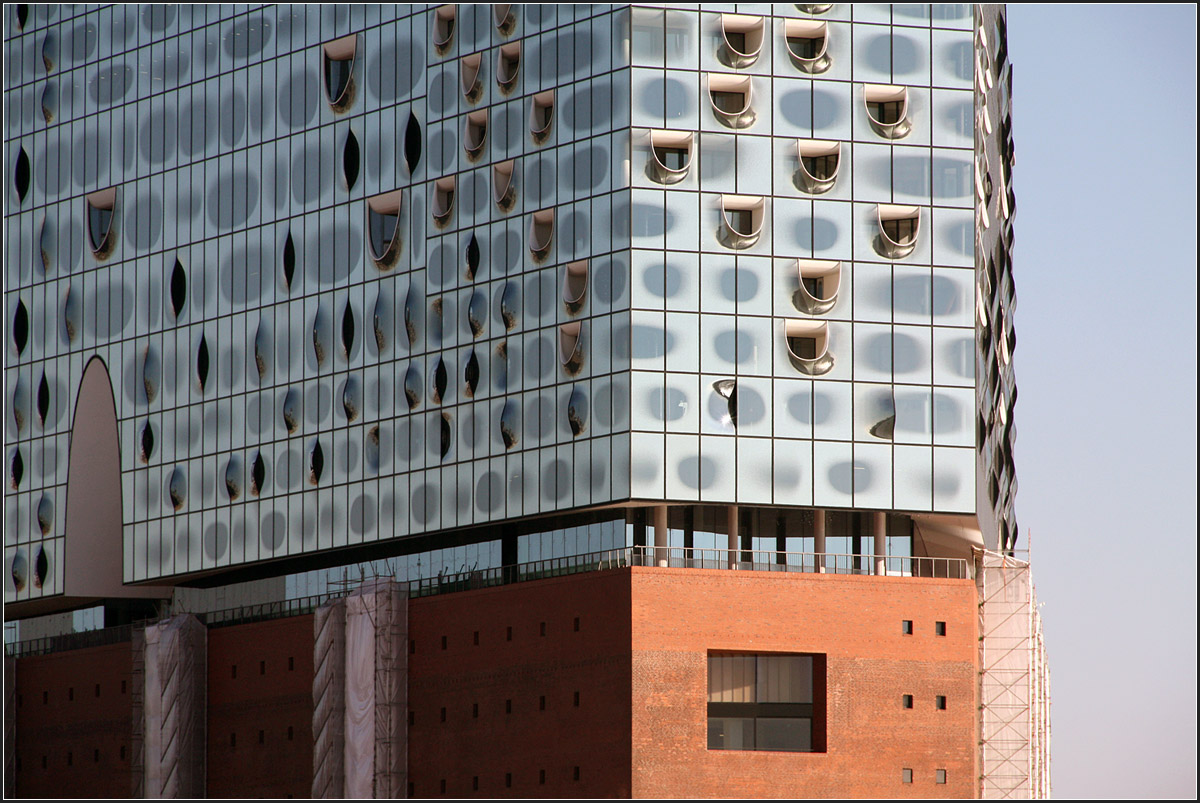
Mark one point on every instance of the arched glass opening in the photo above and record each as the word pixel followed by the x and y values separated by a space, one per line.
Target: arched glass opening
pixel 468 73
pixel 808 45
pixel 475 134
pixel 508 67
pixel 577 411
pixel 503 18
pixel 541 234
pixel 731 97
pixel 383 226
pixel 338 61
pixel 887 110
pixel 819 162
pixel 670 156
pixel 808 346
pixel 819 282
pixel 574 285
pixel 541 116
pixel 101 208
pixel 741 40
pixel 443 200
pixel 570 346
pixel 742 218
pixel 444 19
pixel 504 190
pixel 898 228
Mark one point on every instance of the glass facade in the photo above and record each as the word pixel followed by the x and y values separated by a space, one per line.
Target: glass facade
pixel 363 273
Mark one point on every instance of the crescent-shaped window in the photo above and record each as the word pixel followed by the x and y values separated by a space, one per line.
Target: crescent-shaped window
pixel 814 8
pixel 808 346
pixel 444 18
pixel 741 40
pixel 574 283
pixel 508 66
pixel 570 346
pixel 504 190
pixel 819 162
pixel 731 97
pixel 101 207
pixel 443 200
pixel 503 18
pixel 898 229
pixel 808 44
pixel 541 116
pixel 468 70
pixel 338 62
pixel 670 156
pixel 819 282
pixel 475 134
pixel 541 233
pixel 742 218
pixel 887 109
pixel 383 226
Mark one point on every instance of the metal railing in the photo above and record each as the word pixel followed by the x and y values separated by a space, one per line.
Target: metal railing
pixel 668 557
pixel 802 562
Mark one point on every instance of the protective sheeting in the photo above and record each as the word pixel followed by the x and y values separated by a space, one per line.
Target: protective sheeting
pixel 10 725
pixel 329 700
pixel 360 693
pixel 1014 683
pixel 175 660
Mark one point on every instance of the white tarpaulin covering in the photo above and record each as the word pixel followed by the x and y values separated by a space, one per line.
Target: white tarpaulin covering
pixel 362 613
pixel 176 660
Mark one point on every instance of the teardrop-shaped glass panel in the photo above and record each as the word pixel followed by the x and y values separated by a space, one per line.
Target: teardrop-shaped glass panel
pixel 577 411
pixel 19 571
pixel 151 373
pixel 348 330
pixel 233 478
pixel 412 387
pixel 49 103
pixel 472 257
pixel 41 568
pixel 258 474
pixel 22 15
pixel 291 410
pixel 351 398
pixel 316 463
pixel 382 320
pixel 477 313
pixel 338 56
pixel 440 379
pixel 350 160
pixel 100 207
pixel 202 361
pixel 510 305
pixel 20 327
pixel 16 471
pixel 177 489
pixel 320 333
pixel 412 143
pixel 45 514
pixel 43 399
pixel 178 288
pixel 471 374
pixel 510 424
pixel 410 322
pixel 289 260
pixel 22 174
pixel 147 442
pixel 72 313
pixel 447 433
pixel 262 349
pixel 20 403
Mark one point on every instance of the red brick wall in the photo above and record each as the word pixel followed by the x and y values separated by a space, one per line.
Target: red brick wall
pixel 272 692
pixel 70 738
pixel 499 748
pixel 678 616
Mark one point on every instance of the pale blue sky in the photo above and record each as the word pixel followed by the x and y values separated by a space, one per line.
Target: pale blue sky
pixel 1104 121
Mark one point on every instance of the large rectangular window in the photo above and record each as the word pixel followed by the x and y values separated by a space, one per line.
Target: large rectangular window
pixel 766 702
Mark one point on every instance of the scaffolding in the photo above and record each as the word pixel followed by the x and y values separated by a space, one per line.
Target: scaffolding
pixel 1014 682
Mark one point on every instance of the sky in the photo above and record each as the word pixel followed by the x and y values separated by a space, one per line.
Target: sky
pixel 1104 124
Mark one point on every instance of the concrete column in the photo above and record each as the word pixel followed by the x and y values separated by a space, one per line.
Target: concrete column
pixel 819 538
pixel 731 524
pixel 662 536
pixel 174 716
pixel 879 522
